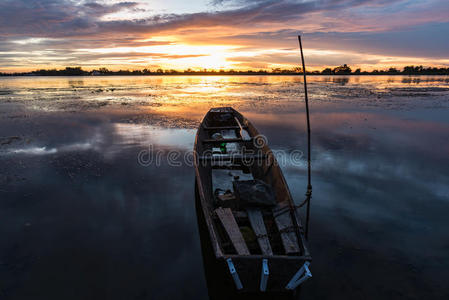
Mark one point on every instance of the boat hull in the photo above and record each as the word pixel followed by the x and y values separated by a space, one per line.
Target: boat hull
pixel 223 245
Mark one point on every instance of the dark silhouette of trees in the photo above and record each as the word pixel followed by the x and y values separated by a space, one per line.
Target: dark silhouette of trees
pixel 392 71
pixel 73 71
pixel 413 70
pixel 104 71
pixel 327 71
pixel 341 70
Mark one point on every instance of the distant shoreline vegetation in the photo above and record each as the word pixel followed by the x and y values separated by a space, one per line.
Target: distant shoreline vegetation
pixel 341 70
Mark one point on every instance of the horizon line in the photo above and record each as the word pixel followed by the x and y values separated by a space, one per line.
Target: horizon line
pixel 340 70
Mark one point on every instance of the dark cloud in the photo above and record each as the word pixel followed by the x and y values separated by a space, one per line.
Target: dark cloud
pixel 65 18
pixel 78 43
pixel 97 9
pixel 428 40
pixel 51 18
pixel 423 41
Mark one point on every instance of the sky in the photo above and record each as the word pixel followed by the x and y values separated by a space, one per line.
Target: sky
pixel 222 34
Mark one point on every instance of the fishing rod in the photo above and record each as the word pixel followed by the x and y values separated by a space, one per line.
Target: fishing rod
pixel 309 180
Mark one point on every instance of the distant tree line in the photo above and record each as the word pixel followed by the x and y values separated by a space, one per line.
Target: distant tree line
pixel 340 70
pixel 408 70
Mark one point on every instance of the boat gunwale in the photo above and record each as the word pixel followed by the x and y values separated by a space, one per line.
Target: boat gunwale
pixel 212 234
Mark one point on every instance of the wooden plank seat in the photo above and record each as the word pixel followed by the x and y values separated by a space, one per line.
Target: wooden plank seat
pixel 233 140
pixel 222 127
pixel 232 157
pixel 232 229
pixel 282 217
pixel 226 167
pixel 256 220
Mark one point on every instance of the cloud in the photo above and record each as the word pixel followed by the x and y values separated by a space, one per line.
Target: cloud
pixel 51 18
pixel 65 18
pixel 90 56
pixel 428 40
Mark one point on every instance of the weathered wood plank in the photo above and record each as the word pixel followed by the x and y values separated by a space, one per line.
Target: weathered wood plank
pixel 256 219
pixel 285 226
pixel 222 127
pixel 233 140
pixel 233 230
pixel 233 157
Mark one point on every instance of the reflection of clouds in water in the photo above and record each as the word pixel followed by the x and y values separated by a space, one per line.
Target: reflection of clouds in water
pixel 145 135
pixel 124 136
pixel 94 143
pixel 382 166
pixel 44 150
pixel 386 185
pixel 34 151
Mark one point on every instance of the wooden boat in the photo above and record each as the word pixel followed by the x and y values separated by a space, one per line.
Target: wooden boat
pixel 252 223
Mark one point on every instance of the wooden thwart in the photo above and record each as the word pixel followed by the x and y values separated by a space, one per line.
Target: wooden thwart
pixel 256 219
pixel 231 140
pixel 227 219
pixel 233 157
pixel 285 226
pixel 222 127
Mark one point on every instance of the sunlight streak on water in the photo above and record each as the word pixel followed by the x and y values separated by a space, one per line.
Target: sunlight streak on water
pixel 172 93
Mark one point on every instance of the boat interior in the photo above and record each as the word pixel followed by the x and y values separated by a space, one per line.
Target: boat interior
pixel 245 194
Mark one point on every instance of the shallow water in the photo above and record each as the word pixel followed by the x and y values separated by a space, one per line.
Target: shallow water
pixel 84 217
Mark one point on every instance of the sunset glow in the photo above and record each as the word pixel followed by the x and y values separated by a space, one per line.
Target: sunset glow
pixel 221 34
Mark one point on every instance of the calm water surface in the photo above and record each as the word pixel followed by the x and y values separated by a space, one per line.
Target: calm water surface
pixel 82 219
